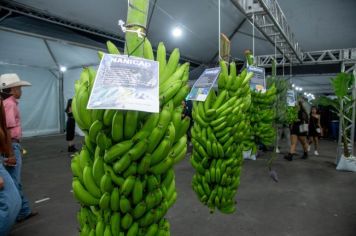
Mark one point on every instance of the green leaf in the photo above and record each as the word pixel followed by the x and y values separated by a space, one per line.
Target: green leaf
pixel 341 84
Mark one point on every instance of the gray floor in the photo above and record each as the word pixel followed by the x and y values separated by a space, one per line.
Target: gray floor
pixel 311 198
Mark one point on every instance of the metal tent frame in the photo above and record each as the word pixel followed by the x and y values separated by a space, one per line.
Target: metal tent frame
pixel 347 121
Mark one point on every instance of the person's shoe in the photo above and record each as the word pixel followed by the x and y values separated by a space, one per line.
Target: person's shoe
pixel 32 214
pixel 309 148
pixel 305 155
pixel 316 153
pixel 289 157
pixel 72 149
pixel 277 150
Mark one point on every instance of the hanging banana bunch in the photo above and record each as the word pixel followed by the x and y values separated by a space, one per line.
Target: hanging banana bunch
pixel 263 113
pixel 123 176
pixel 220 128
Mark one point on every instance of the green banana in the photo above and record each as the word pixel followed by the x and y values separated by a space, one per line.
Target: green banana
pixel 131 121
pixel 89 182
pixel 117 128
pixel 112 49
pixel 83 195
pixel 115 199
pixel 117 151
pixel 108 116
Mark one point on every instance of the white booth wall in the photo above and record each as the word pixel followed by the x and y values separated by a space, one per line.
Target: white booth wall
pixel 39 104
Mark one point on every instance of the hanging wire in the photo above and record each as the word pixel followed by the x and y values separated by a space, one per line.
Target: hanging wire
pixel 219 38
pixel 150 18
pixel 253 34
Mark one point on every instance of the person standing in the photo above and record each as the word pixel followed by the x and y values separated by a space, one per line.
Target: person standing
pixel 10 200
pixel 298 132
pixel 10 86
pixel 314 129
pixel 70 127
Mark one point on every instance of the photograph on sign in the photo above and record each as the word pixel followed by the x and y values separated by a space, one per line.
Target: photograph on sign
pixel 203 84
pixel 126 83
pixel 258 81
pixel 291 100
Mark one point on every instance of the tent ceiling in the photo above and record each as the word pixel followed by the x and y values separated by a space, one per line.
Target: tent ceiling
pixel 318 24
pixel 30 51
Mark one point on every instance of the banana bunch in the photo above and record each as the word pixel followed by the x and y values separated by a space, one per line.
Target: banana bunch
pixel 220 126
pixel 123 176
pixel 263 116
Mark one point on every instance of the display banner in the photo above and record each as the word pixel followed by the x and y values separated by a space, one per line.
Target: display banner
pixel 291 100
pixel 203 84
pixel 258 81
pixel 126 83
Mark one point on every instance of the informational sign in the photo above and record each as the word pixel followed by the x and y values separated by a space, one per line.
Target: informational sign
pixel 258 81
pixel 126 83
pixel 291 100
pixel 203 85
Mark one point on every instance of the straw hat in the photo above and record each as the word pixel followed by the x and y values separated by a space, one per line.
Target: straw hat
pixel 12 80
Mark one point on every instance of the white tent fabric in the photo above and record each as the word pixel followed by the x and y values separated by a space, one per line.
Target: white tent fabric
pixel 31 60
pixel 39 105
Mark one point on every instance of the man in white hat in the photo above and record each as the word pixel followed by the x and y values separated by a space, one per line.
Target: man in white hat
pixel 10 91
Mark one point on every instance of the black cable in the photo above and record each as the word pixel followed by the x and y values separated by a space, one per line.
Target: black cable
pixel 150 18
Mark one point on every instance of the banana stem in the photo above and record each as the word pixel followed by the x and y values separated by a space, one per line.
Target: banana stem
pixel 136 21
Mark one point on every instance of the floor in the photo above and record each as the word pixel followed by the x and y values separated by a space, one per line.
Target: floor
pixel 310 199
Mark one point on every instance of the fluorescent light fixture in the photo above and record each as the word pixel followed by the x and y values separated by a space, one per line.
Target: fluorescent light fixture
pixel 177 32
pixel 63 68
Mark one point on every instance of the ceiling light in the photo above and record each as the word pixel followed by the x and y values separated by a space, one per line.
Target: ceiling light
pixel 63 68
pixel 177 32
pixel 300 89
pixel 293 85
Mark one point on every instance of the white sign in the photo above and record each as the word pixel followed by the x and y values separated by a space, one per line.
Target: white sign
pixel 203 84
pixel 258 81
pixel 126 83
pixel 291 101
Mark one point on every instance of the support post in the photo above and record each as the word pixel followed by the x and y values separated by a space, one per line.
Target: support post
pixel 61 102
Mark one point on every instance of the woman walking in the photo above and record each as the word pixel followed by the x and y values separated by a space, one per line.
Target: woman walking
pixel 314 129
pixel 298 132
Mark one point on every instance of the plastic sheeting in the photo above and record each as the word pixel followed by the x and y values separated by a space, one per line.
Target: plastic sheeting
pixel 39 106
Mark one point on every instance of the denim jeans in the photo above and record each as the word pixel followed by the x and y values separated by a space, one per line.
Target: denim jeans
pixel 15 173
pixel 10 202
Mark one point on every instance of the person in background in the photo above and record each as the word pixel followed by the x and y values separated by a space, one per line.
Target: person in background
pixel 10 200
pixel 70 127
pixel 314 130
pixel 10 86
pixel 298 132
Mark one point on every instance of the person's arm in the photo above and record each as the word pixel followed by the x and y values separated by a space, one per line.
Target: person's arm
pixel 1 183
pixel 319 121
pixel 10 159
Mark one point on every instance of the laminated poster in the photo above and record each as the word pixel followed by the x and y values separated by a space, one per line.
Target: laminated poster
pixel 291 101
pixel 258 81
pixel 203 84
pixel 126 83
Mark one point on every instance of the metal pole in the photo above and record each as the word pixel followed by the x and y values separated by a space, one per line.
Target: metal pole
pixel 341 121
pixel 61 102
pixel 353 112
